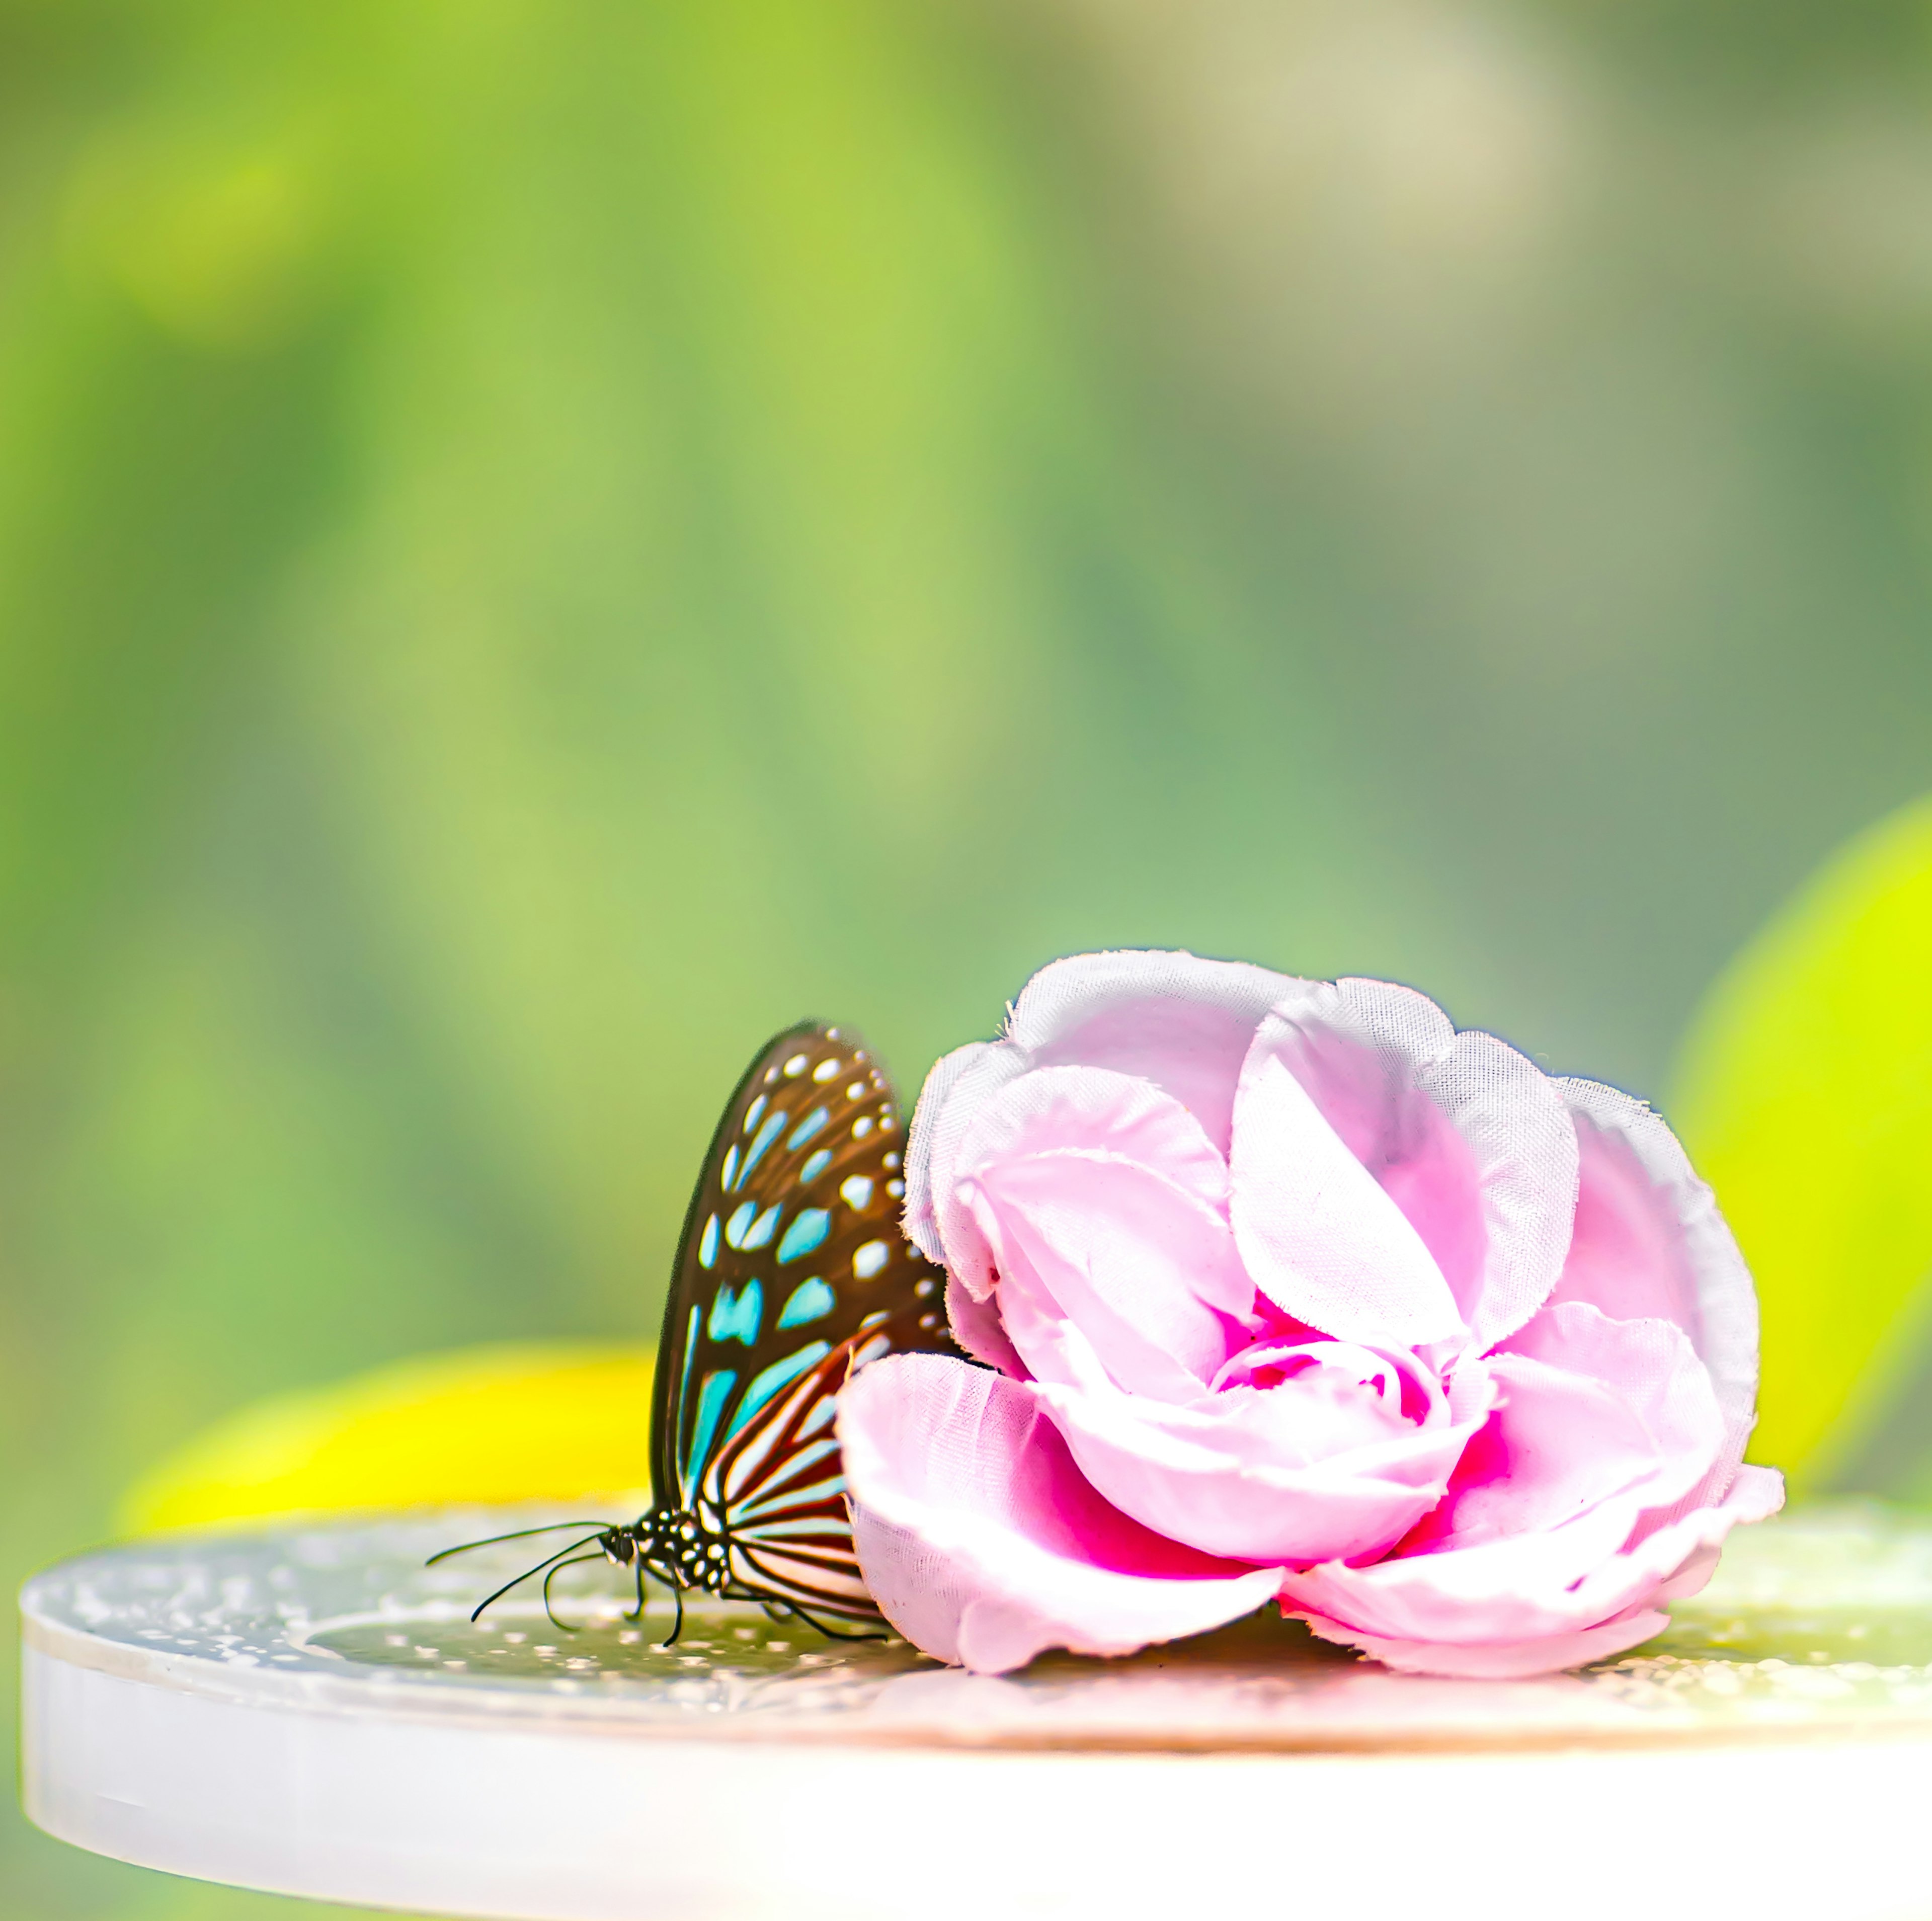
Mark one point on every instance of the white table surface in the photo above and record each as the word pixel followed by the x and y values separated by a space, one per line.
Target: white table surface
pixel 308 1711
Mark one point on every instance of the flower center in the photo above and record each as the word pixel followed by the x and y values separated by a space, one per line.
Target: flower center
pixel 1397 1382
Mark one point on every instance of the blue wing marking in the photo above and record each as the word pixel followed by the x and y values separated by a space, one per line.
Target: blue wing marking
pixel 806 1234
pixel 774 1126
pixel 752 1112
pixel 812 1123
pixel 814 1167
pixel 741 1219
pixel 759 1234
pixel 809 1300
pixel 779 1374
pixel 735 1316
pixel 690 1351
pixel 728 1176
pixel 713 1393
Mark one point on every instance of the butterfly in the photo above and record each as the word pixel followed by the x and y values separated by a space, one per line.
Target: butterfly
pixel 792 1271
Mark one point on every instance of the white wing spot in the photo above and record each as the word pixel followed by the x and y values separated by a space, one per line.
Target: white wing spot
pixel 852 1092
pixel 856 1193
pixel 826 1069
pixel 892 1160
pixel 869 1258
pixel 795 1066
pixel 862 1127
pixel 896 1189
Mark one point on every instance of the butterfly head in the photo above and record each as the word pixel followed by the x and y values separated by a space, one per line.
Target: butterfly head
pixel 676 1547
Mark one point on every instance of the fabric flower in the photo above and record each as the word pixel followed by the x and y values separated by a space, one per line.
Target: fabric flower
pixel 1285 1288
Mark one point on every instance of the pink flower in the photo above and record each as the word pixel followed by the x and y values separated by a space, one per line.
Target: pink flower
pixel 1285 1288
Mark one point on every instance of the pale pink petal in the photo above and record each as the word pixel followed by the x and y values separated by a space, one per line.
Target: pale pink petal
pixel 1594 1411
pixel 1319 1235
pixel 1514 1660
pixel 1148 1271
pixel 1173 1018
pixel 1361 1049
pixel 1649 1240
pixel 1467 1137
pixel 983 1544
pixel 977 1328
pixel 1651 1366
pixel 1525 1588
pixel 1307 1471
pixel 1047 1109
pixel 1506 1109
pixel 1521 1151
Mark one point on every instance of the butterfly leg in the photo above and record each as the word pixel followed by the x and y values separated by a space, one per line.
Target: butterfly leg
pixel 637 1614
pixel 837 1634
pixel 561 1626
pixel 677 1627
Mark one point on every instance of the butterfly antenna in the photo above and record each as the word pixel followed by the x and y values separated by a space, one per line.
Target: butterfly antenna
pixel 517 1533
pixel 520 1579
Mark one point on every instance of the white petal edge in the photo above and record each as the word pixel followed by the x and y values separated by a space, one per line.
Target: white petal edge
pixel 937 1223
pixel 1066 992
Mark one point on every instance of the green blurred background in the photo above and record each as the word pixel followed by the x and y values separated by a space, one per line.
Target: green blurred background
pixel 540 542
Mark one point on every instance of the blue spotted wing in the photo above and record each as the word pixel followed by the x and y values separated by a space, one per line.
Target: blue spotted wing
pixel 793 1269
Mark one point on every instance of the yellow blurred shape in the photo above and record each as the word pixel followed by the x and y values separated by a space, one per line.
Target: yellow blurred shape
pixel 495 1424
pixel 1805 1099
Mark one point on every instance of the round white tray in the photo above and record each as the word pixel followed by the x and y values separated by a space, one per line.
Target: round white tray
pixel 310 1712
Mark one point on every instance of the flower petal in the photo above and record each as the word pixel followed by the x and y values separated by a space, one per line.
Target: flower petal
pixel 976 1327
pixel 1649 1240
pixel 937 1222
pixel 1171 1018
pixel 1524 1589
pixel 1147 1270
pixel 1319 1235
pixel 1049 1109
pixel 1594 1411
pixel 1300 1472
pixel 1468 1138
pixel 1513 1661
pixel 981 1541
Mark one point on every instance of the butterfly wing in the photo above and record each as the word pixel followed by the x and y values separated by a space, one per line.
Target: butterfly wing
pixel 792 1269
pixel 776 1493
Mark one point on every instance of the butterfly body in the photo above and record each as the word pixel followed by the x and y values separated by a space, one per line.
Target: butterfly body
pixel 792 1271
